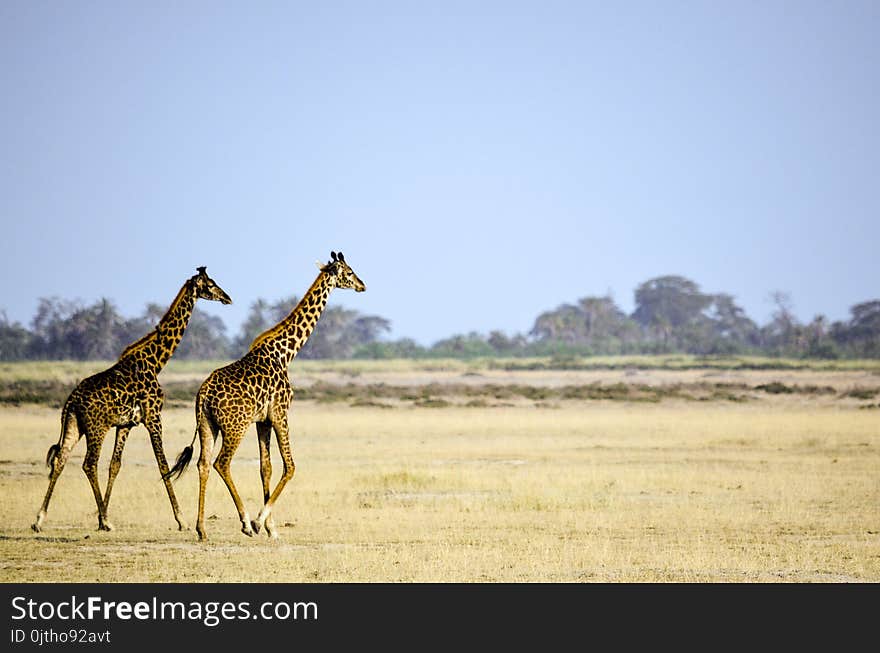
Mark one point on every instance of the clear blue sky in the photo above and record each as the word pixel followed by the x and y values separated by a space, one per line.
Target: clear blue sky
pixel 477 162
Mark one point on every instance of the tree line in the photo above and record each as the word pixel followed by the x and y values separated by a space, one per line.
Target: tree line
pixel 64 329
pixel 672 315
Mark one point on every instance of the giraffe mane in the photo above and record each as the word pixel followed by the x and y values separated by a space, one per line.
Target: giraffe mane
pixel 143 341
pixel 271 332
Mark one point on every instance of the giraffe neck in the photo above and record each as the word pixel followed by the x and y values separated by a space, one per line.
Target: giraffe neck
pixel 287 337
pixel 155 349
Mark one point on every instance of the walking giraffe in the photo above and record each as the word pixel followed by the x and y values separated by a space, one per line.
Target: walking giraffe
pixel 256 388
pixel 124 396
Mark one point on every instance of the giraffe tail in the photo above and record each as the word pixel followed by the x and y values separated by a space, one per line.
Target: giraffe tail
pixel 182 461
pixel 52 454
pixel 55 449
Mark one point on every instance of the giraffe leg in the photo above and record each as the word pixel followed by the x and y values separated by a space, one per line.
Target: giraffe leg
pixel 279 423
pixel 154 426
pixel 207 434
pixel 69 438
pixel 231 440
pixel 90 467
pixel 264 434
pixel 115 463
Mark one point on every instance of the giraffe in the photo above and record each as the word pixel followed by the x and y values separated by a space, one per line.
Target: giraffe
pixel 125 395
pixel 256 388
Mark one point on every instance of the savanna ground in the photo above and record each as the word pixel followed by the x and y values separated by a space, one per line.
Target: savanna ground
pixel 616 470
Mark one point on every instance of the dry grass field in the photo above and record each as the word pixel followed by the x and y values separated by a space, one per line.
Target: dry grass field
pixel 460 472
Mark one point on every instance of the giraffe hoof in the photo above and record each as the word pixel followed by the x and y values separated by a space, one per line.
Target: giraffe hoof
pixel 181 526
pixel 256 526
pixel 106 526
pixel 36 528
pixel 247 531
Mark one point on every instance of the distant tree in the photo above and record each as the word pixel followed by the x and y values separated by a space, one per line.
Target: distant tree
pixel 861 334
pixel 783 335
pixel 601 317
pixel 670 310
pixel 403 348
pixel 670 300
pixel 15 340
pixel 564 324
pixel 730 320
pixel 818 341
pixel 471 345
pixel 505 345
pixel 260 317
pixel 94 332
pixel 407 347
pixel 364 329
pixel 607 329
pixel 671 314
pixel 64 329
pixel 731 330
pixel 594 324
pixel 48 328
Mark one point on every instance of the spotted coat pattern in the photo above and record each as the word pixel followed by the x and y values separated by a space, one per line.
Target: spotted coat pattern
pixel 126 395
pixel 256 389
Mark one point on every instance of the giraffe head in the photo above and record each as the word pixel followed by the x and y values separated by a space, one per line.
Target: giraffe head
pixel 205 287
pixel 344 276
